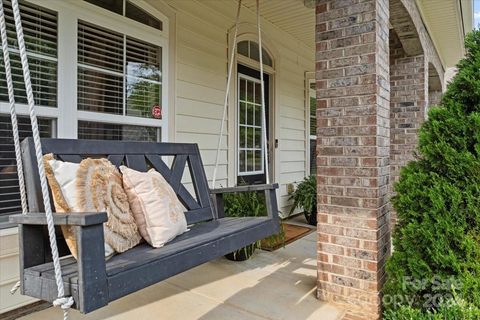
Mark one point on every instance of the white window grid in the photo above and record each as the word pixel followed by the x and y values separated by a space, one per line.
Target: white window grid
pixel 245 172
pixel 66 115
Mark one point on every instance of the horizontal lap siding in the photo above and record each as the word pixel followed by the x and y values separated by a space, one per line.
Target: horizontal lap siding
pixel 9 272
pixel 201 71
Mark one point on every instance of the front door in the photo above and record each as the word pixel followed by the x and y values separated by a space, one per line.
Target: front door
pixel 250 146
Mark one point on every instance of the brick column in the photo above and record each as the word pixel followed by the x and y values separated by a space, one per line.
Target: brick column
pixel 353 130
pixel 408 102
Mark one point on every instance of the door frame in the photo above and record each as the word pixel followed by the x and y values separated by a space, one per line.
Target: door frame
pixel 248 32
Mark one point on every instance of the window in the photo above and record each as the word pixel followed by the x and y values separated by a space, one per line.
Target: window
pixel 312 107
pixel 9 189
pixel 40 30
pixel 129 10
pixel 250 50
pixel 250 142
pixel 117 74
pixel 114 88
pixel 108 131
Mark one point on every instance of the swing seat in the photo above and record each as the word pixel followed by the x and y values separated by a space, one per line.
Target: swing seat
pixel 94 282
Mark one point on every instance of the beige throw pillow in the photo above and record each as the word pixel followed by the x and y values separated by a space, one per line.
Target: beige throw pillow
pixel 99 188
pixel 96 180
pixel 158 212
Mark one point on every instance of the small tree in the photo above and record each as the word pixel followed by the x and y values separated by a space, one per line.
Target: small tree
pixel 437 238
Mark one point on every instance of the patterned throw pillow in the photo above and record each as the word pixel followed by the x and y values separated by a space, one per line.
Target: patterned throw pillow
pixel 99 188
pixel 158 212
pixel 94 185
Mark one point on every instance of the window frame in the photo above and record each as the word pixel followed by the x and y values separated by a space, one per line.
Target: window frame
pixel 66 113
pixel 65 116
pixel 309 79
pixel 237 125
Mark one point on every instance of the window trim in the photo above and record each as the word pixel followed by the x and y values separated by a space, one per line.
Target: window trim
pixel 66 112
pixel 309 78
pixel 237 125
pixel 65 115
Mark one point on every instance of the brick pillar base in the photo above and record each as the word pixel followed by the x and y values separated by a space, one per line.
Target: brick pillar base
pixel 353 130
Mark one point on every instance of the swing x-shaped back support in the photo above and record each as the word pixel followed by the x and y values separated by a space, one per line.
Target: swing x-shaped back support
pixel 92 281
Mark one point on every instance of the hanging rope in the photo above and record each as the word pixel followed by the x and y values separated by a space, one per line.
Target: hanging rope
pixel 64 302
pixel 13 118
pixel 227 91
pixel 262 86
pixel 13 114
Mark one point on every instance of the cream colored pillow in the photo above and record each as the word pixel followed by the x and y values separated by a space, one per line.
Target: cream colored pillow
pixel 158 212
pixel 62 179
pixel 100 188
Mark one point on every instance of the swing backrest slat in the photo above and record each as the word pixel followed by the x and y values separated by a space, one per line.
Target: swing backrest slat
pixel 136 155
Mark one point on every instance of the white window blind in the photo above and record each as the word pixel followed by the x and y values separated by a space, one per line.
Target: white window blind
pixel 9 190
pixel 116 73
pixel 40 29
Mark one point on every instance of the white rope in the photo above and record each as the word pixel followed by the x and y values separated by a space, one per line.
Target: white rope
pixel 14 121
pixel 227 91
pixel 64 302
pixel 262 86
pixel 13 114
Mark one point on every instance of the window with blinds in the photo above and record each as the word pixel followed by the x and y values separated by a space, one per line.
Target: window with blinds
pixel 109 131
pixel 9 190
pixel 40 30
pixel 312 104
pixel 117 74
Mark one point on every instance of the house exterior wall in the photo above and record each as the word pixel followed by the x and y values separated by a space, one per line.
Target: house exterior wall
pixel 198 66
pixel 204 31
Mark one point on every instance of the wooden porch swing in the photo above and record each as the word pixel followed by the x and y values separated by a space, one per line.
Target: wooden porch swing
pixel 48 272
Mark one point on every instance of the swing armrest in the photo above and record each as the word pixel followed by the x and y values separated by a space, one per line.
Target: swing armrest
pixel 248 188
pixel 267 189
pixel 61 219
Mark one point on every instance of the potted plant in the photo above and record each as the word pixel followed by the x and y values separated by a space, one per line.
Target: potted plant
pixel 305 196
pixel 244 204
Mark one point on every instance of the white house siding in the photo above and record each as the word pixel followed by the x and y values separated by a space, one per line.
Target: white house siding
pixel 9 271
pixel 201 52
pixel 201 68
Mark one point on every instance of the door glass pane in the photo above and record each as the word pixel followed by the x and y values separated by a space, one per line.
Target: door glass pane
pixel 258 160
pixel 258 138
pixel 258 93
pixel 242 163
pixel 242 137
pixel 258 116
pixel 249 91
pixel 250 114
pixel 250 154
pixel 243 85
pixel 250 128
pixel 250 137
pixel 243 112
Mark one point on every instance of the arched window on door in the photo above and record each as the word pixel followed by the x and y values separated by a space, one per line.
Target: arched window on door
pixel 249 49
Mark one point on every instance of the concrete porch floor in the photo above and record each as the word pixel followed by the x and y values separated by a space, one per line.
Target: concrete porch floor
pixel 271 285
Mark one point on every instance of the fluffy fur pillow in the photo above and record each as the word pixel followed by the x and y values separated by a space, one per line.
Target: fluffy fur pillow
pixel 158 212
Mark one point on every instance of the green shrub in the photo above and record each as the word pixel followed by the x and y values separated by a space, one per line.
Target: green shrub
pixel 244 204
pixel 437 239
pixel 450 310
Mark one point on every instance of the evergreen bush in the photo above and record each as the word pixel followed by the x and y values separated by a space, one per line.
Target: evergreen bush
pixel 437 238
